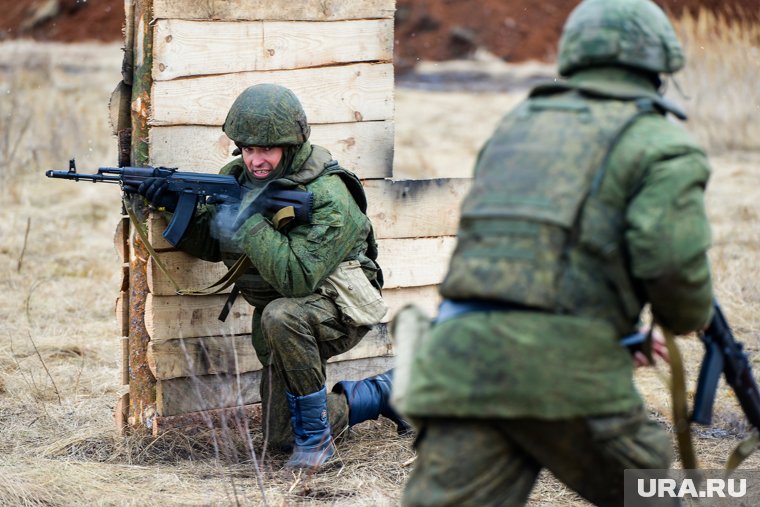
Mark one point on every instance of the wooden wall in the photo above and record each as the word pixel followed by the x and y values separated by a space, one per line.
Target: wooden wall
pixel 337 57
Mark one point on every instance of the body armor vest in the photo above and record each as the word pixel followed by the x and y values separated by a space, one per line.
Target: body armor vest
pixel 533 231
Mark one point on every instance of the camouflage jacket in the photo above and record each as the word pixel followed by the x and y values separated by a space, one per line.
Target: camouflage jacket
pixel 295 260
pixel 647 214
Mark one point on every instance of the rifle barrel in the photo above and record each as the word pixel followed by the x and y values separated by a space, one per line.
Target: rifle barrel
pixel 70 175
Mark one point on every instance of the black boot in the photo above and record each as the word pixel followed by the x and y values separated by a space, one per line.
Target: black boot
pixel 369 399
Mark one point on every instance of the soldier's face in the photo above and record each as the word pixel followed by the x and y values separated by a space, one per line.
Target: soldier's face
pixel 261 160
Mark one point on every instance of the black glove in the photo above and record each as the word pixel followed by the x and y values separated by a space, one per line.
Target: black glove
pixel 273 200
pixel 157 193
pixel 302 203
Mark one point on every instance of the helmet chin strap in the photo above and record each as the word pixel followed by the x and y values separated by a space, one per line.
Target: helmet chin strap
pixel 677 85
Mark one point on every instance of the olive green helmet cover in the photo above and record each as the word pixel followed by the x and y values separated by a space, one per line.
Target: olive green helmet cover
pixel 632 33
pixel 267 115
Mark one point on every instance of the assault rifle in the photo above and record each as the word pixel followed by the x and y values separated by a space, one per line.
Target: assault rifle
pixel 192 189
pixel 723 354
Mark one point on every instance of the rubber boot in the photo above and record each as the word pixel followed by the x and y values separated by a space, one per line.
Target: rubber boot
pixel 313 439
pixel 370 399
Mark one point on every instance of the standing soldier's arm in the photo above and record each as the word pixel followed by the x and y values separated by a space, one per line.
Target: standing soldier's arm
pixel 668 234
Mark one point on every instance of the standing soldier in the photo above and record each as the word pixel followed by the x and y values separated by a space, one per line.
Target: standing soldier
pixel 312 274
pixel 587 204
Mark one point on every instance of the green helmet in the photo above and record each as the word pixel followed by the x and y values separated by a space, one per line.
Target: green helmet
pixel 266 115
pixel 633 33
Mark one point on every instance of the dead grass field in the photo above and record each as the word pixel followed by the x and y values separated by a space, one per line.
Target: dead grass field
pixel 59 275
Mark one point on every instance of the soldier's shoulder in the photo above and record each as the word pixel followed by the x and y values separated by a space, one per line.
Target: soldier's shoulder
pixel 329 184
pixel 657 134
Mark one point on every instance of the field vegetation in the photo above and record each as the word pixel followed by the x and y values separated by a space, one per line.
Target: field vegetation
pixel 59 278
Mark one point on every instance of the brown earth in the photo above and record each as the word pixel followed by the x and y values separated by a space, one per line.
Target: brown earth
pixel 62 20
pixel 514 30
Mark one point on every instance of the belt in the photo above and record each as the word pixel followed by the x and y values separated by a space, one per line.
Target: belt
pixel 450 309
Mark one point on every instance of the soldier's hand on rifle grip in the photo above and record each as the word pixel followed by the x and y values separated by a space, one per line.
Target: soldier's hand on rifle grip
pixel 659 349
pixel 157 193
pixel 129 189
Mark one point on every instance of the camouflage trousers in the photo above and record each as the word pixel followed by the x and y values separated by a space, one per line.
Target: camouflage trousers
pixel 496 461
pixel 294 338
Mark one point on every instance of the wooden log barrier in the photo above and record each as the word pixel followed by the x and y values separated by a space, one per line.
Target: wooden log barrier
pixel 366 147
pixel 208 392
pixel 406 262
pixel 304 10
pixel 192 59
pixel 240 418
pixel 336 94
pixel 213 355
pixel 172 317
pixel 193 48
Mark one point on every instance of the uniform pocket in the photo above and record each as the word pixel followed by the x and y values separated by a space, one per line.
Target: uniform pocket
pixel 632 440
pixel 360 303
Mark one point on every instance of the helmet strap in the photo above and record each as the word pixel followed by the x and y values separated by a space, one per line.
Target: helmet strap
pixel 680 91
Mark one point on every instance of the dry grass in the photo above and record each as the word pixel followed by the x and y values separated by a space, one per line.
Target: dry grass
pixel 44 127
pixel 719 83
pixel 59 277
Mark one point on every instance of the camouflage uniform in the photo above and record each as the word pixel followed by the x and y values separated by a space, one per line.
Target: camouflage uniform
pixel 297 325
pixel 587 203
pixel 304 325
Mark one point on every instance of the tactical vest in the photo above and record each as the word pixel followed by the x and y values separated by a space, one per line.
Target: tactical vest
pixel 533 231
pixel 256 290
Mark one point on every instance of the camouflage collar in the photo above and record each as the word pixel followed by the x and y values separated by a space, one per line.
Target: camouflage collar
pixel 311 167
pixel 612 82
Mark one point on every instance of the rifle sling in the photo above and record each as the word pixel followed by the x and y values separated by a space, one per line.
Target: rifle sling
pixel 229 278
pixel 681 422
pixel 742 451
pixel 228 304
pixel 232 274
pixel 144 237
